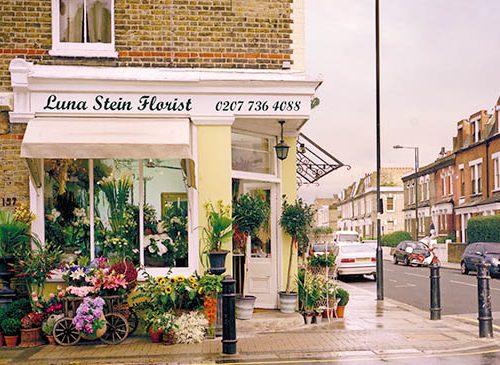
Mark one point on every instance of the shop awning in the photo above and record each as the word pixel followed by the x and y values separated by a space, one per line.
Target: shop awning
pixel 107 138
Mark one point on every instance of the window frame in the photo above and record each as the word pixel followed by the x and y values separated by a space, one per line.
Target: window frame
pixel 476 176
pixel 74 49
pixel 387 204
pixel 495 158
pixel 193 253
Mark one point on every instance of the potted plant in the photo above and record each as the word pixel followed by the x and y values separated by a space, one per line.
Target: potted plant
pixel 296 220
pixel 48 327
pixel 31 330
pixel 89 318
pixel 14 239
pixel 249 213
pixel 210 287
pixel 2 317
pixel 153 324
pixel 10 329
pixel 215 234
pixel 343 296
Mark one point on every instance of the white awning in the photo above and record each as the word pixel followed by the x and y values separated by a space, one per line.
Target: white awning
pixel 107 138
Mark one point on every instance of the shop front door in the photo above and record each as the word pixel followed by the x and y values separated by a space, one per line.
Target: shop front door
pixel 261 278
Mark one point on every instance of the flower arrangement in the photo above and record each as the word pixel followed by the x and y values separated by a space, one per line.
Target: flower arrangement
pixel 190 327
pixel 89 316
pixel 219 224
pixel 108 282
pixel 32 320
pixel 127 268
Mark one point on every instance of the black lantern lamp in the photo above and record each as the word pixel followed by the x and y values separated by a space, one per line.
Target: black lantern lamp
pixel 282 148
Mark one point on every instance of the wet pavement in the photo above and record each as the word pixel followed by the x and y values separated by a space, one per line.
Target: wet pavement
pixel 372 332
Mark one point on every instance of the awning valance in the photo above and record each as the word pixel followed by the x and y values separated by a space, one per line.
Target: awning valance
pixel 107 138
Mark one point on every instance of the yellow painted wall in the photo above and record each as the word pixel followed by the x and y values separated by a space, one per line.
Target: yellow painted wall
pixel 289 188
pixel 214 175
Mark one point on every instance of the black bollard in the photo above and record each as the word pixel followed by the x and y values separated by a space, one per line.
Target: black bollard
pixel 484 300
pixel 228 316
pixel 435 293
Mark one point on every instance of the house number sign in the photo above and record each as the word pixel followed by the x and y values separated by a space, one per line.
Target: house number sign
pixel 8 202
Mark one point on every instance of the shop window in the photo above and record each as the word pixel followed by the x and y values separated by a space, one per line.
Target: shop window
pixel 83 28
pixel 66 205
pixel 105 218
pixel 252 153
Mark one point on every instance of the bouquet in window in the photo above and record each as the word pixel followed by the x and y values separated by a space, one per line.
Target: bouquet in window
pixel 160 246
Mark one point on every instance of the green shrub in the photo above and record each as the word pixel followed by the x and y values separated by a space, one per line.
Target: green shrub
pixel 484 229
pixel 18 308
pixel 343 295
pixel 10 326
pixel 393 239
pixel 327 260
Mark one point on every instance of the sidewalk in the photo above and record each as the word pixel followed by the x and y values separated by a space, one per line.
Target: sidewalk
pixel 370 329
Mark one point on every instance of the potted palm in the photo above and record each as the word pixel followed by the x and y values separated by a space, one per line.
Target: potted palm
pixel 296 220
pixel 215 234
pixel 343 297
pixel 14 239
pixel 249 213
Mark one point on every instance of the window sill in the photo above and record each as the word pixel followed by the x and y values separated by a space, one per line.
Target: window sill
pixel 87 53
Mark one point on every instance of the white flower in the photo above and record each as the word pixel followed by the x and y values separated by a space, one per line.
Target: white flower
pixel 162 249
pixel 160 228
pixel 79 273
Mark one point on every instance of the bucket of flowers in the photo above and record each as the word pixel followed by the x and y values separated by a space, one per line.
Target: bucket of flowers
pixel 31 330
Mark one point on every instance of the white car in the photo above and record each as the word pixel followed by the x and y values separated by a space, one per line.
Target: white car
pixel 355 258
pixel 346 236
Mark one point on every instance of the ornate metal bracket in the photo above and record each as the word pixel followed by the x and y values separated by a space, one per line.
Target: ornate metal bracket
pixel 313 162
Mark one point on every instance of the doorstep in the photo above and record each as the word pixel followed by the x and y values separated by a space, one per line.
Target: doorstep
pixel 268 320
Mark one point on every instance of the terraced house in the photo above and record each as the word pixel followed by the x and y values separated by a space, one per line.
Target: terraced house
pixel 177 100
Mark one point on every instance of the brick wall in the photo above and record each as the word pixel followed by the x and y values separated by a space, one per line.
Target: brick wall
pixel 162 33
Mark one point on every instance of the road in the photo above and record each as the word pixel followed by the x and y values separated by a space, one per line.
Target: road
pixel 411 285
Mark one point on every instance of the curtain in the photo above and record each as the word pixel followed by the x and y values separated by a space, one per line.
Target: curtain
pixel 71 21
pixel 99 21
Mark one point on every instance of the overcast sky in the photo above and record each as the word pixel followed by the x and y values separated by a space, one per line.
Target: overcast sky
pixel 440 63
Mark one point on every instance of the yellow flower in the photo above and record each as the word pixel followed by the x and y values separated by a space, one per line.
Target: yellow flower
pixel 173 280
pixel 195 285
pixel 162 281
pixel 168 290
pixel 180 278
pixel 200 291
pixel 159 278
pixel 192 279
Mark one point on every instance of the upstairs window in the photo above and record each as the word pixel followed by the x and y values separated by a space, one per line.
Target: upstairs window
pixel 390 204
pixel 496 171
pixel 476 130
pixel 475 173
pixel 83 28
pixel 462 182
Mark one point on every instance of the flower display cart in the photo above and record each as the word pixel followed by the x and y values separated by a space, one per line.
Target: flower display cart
pixel 117 327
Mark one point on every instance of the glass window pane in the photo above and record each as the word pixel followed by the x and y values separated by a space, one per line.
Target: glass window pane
pixel 165 214
pixel 66 202
pixel 71 21
pixel 252 154
pixel 116 200
pixel 99 21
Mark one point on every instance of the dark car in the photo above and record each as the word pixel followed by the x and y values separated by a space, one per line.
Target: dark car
pixel 488 252
pixel 402 255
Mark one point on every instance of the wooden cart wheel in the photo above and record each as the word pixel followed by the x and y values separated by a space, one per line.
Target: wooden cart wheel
pixel 65 332
pixel 117 329
pixel 133 321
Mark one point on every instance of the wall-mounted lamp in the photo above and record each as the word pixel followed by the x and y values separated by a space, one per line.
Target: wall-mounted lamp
pixel 282 148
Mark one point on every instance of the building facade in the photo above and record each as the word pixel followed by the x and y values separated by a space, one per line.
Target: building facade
pixel 178 101
pixel 358 203
pixel 327 213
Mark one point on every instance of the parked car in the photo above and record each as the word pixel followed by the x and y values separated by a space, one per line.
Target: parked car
pixel 321 248
pixel 346 236
pixel 355 258
pixel 404 249
pixel 474 253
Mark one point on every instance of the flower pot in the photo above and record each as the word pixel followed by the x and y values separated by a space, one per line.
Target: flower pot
pixel 288 302
pixel 169 337
pixel 10 341
pixel 328 313
pixel 339 313
pixel 51 340
pixel 31 337
pixel 97 334
pixel 318 318
pixel 155 336
pixel 307 317
pixel 217 262
pixel 244 306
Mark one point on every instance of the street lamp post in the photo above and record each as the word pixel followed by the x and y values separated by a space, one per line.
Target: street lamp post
pixel 416 185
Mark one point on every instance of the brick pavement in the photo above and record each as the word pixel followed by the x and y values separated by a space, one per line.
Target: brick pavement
pixel 370 328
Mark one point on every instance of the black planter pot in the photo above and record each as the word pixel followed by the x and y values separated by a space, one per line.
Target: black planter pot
pixel 217 262
pixel 6 274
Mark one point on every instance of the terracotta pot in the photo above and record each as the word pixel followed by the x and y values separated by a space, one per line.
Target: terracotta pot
pixel 51 340
pixel 155 336
pixel 31 337
pixel 339 313
pixel 10 341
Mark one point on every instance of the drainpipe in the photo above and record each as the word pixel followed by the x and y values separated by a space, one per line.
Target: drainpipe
pixel 487 169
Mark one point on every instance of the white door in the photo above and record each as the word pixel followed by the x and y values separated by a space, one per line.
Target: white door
pixel 261 277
